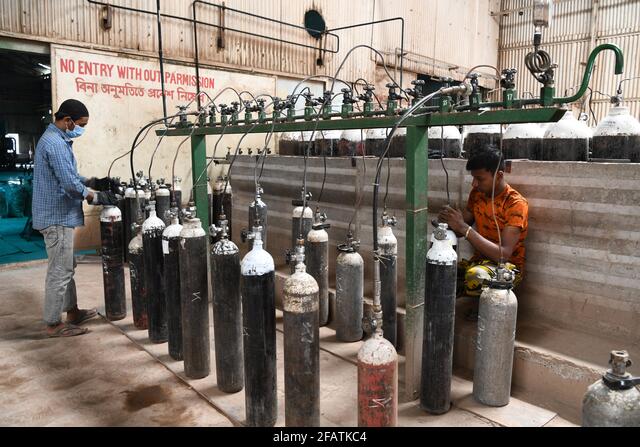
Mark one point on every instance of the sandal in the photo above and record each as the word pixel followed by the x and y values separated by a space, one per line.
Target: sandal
pixel 83 315
pixel 68 330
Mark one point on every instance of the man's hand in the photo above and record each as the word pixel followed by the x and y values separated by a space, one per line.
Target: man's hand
pixel 102 184
pixel 104 198
pixel 454 219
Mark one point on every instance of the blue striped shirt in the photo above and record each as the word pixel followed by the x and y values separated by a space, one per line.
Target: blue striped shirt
pixel 58 189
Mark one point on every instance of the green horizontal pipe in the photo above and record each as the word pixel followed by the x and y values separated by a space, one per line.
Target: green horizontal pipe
pixel 541 115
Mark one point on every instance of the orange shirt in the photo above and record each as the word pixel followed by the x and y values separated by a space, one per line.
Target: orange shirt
pixel 511 210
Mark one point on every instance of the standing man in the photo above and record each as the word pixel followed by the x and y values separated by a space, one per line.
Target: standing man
pixel 58 193
pixel 492 244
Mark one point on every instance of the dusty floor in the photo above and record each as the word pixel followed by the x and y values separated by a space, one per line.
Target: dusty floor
pixel 115 377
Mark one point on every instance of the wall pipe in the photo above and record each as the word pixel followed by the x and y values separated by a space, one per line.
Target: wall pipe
pixel 161 57
pixel 375 22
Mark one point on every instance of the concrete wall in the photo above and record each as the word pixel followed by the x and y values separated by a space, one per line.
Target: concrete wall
pixel 583 266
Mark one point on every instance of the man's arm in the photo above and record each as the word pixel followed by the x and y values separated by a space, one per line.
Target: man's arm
pixel 458 222
pixel 493 251
pixel 62 167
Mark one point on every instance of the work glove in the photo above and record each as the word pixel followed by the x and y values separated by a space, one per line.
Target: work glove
pixel 102 184
pixel 104 198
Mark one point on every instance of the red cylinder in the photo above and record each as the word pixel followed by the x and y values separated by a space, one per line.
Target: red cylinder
pixel 377 383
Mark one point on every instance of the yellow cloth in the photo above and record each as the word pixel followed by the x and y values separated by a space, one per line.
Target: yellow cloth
pixel 476 273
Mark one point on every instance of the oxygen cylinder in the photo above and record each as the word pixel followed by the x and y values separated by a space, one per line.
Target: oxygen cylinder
pixel 258 210
pixel 307 222
pixel 617 136
pixel 227 205
pixel 227 311
pixel 112 263
pixel 479 138
pixel 388 245
pixel 147 199
pixel 299 213
pixel 445 142
pixel 326 143
pixel 374 143
pixel 352 143
pixel 397 148
pixel 287 144
pixel 129 216
pixel 134 199
pixel 567 140
pixel 171 259
pixel 194 297
pixel 318 263
pixel 163 202
pixel 349 291
pixel 142 201
pixel 309 139
pixel 522 141
pixel 301 347
pixel 152 229
pixel 122 206
pixel 214 196
pixel 136 276
pixel 259 335
pixel 613 401
pixel 176 194
pixel 495 341
pixel 222 203
pixel 377 369
pixel 439 313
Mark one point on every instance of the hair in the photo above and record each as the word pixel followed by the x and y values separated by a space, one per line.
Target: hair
pixel 489 158
pixel 73 109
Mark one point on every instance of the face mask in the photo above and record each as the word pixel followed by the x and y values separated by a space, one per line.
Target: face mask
pixel 76 132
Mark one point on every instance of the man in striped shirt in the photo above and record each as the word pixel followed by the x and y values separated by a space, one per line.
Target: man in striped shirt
pixel 58 194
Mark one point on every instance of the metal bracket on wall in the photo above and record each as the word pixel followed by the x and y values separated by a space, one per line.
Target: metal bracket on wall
pixel 106 20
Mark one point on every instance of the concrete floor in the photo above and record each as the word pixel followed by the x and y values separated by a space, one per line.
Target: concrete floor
pixel 115 377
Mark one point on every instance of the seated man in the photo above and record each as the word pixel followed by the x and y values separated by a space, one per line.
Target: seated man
pixel 511 213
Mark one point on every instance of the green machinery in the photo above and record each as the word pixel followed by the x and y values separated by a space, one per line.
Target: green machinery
pixel 509 110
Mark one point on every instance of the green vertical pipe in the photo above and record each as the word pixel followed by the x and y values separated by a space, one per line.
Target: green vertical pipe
pixel 416 251
pixel 198 166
